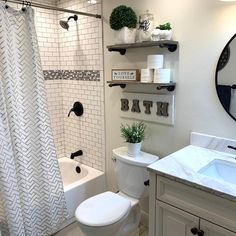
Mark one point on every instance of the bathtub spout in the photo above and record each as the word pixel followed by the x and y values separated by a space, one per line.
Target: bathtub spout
pixel 76 154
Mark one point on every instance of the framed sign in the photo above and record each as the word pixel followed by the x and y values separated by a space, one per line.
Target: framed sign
pixel 125 75
pixel 148 107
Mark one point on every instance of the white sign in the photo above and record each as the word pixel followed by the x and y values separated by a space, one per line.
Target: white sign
pixel 124 75
pixel 148 107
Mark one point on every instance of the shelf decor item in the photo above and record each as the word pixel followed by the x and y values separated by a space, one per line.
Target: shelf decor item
pixel 125 75
pixel 161 76
pixel 162 32
pixel 133 134
pixel 146 26
pixel 147 75
pixel 123 20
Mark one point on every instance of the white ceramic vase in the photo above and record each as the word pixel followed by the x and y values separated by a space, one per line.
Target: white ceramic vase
pixel 158 34
pixel 125 35
pixel 134 149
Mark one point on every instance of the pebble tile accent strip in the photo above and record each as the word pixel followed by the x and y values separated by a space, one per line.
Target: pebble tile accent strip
pixel 84 75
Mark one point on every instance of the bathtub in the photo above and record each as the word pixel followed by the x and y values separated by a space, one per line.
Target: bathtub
pixel 79 187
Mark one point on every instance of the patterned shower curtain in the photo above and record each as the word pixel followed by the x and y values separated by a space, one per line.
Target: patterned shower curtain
pixel 32 201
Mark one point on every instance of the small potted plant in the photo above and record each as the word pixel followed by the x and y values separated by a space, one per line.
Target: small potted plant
pixel 133 134
pixel 162 32
pixel 123 20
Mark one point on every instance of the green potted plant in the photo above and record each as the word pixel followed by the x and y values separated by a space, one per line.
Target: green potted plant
pixel 123 20
pixel 133 134
pixel 162 32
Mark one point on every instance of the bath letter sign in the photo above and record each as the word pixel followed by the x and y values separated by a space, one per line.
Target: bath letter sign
pixel 149 107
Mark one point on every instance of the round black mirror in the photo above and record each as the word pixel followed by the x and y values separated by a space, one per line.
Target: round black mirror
pixel 226 77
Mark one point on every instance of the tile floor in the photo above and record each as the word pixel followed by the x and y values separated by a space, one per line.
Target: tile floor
pixel 73 230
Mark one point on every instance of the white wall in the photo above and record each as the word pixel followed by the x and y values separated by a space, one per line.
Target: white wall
pixel 202 29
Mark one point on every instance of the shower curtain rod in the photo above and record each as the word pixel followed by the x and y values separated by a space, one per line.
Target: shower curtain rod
pixel 33 4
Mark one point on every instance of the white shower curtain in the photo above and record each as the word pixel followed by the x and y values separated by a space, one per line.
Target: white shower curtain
pixel 32 201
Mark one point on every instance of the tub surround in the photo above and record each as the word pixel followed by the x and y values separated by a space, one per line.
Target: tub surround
pixel 183 165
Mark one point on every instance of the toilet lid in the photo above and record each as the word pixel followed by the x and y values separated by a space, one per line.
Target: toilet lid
pixel 102 209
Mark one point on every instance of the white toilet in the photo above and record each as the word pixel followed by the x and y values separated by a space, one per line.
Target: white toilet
pixel 117 214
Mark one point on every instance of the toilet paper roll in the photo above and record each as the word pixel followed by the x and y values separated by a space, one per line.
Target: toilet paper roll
pixel 161 76
pixel 147 75
pixel 155 61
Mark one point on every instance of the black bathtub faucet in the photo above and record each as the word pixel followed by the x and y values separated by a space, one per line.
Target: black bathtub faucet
pixel 76 154
pixel 232 147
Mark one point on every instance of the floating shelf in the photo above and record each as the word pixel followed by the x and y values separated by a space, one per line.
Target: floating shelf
pixel 121 48
pixel 169 86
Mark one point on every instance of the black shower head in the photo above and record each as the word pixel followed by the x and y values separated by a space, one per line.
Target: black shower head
pixel 65 25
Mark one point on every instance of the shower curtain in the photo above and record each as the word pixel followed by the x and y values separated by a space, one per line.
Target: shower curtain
pixel 32 201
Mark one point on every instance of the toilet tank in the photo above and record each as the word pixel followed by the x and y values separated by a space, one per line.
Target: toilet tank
pixel 131 172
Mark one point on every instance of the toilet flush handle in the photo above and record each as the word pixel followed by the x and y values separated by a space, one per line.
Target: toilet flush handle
pixel 146 183
pixel 113 159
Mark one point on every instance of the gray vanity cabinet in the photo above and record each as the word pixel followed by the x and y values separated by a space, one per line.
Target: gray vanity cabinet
pixel 178 209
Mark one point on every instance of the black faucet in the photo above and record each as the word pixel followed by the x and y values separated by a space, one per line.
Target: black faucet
pixel 232 147
pixel 76 154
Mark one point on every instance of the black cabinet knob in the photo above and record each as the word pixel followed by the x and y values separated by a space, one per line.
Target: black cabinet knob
pixel 194 231
pixel 200 233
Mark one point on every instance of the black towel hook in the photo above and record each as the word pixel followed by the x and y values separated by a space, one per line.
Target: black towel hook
pixel 233 86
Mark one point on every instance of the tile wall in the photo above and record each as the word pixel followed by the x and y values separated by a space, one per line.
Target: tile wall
pixel 81 52
pixel 73 67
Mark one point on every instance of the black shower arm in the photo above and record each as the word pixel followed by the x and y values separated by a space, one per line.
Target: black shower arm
pixel 75 17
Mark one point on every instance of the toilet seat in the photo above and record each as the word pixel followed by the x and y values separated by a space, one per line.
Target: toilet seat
pixel 102 210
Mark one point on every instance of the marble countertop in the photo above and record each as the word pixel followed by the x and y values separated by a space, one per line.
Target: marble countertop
pixel 183 166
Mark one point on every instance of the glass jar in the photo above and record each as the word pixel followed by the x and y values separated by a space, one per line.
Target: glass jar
pixel 146 26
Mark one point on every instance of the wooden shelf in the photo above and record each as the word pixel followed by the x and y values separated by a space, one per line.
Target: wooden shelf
pixel 121 48
pixel 169 86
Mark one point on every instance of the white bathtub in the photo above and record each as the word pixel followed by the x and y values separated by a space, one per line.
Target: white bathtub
pixel 79 187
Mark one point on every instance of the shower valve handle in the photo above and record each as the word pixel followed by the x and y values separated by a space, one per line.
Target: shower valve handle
pixel 77 109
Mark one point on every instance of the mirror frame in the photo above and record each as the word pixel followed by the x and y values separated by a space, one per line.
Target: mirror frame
pixel 216 75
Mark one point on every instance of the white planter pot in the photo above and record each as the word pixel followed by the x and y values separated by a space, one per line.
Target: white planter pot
pixel 158 34
pixel 125 35
pixel 134 149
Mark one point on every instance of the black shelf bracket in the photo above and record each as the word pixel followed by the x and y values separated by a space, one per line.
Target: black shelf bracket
pixel 122 51
pixel 170 47
pixel 115 85
pixel 170 88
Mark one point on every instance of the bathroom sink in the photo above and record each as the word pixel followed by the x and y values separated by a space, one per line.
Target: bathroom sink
pixel 220 169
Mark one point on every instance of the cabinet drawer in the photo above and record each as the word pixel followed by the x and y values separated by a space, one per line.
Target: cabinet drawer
pixel 205 205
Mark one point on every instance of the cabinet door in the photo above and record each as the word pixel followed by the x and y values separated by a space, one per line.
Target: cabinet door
pixel 171 221
pixel 214 230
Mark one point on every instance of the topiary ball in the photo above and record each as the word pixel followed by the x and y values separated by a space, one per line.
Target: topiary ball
pixel 123 16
